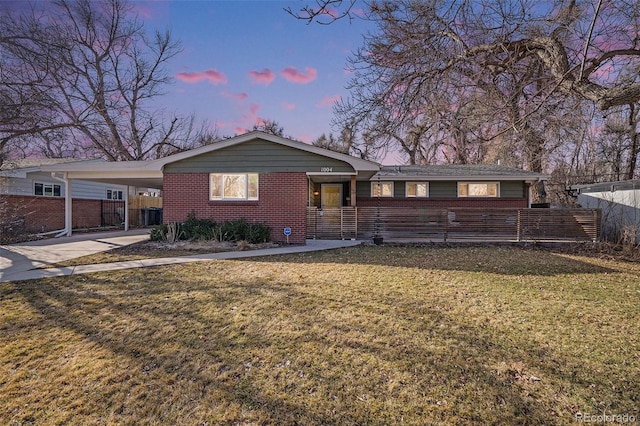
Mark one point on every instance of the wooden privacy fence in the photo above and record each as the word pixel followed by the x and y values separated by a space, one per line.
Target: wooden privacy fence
pixel 414 223
pixel 139 202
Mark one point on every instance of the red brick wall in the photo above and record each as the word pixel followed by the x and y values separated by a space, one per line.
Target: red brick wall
pixel 282 202
pixel 42 214
pixel 443 203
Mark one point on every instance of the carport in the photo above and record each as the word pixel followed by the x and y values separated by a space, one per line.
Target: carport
pixel 127 173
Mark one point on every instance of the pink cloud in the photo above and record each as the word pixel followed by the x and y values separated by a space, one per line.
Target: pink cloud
pixel 214 76
pixel 292 75
pixel 329 11
pixel 240 130
pixel 328 101
pixel 253 109
pixel 265 77
pixel 235 96
pixel 287 105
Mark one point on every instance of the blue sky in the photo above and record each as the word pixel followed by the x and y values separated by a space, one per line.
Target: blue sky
pixel 246 61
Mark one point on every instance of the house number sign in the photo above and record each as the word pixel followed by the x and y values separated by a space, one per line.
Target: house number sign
pixel 326 169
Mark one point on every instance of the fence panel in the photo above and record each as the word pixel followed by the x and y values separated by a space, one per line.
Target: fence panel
pixel 454 224
pixel 111 212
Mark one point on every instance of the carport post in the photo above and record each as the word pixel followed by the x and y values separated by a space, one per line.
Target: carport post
pixel 126 210
pixel 68 212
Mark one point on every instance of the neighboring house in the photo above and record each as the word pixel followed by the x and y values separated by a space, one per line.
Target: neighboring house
pixel 620 205
pixel 276 181
pixel 33 200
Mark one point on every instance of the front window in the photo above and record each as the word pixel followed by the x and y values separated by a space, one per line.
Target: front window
pixel 382 189
pixel 417 189
pixel 47 189
pixel 478 189
pixel 234 186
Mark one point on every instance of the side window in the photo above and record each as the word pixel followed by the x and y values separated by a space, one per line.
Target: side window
pixel 382 189
pixel 417 189
pixel 47 189
pixel 478 189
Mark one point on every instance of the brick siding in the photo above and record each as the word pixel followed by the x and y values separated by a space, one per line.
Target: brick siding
pixel 42 214
pixel 282 202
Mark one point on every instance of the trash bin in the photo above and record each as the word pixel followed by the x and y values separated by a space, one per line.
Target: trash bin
pixel 151 216
pixel 156 215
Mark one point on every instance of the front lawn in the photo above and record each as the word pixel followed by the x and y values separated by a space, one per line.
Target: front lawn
pixel 365 335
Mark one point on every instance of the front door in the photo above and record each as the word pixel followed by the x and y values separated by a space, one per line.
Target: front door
pixel 331 195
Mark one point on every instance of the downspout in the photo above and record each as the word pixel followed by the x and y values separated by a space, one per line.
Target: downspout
pixel 68 208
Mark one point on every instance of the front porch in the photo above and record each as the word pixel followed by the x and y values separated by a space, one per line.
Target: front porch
pixel 454 224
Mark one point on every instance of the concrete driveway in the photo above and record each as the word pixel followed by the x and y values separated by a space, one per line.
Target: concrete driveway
pixel 16 259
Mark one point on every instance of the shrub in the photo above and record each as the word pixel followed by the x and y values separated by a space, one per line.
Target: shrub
pixel 158 233
pixel 170 233
pixel 195 229
pixel 198 229
pixel 240 229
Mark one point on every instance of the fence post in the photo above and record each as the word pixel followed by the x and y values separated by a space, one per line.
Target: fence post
pixel 446 225
pixel 355 209
pixel 519 224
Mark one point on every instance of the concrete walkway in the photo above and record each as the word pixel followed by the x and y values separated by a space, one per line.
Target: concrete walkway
pixel 18 261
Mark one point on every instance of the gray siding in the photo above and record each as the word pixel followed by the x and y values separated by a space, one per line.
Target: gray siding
pixel 512 189
pixel 257 156
pixel 443 189
pixel 79 188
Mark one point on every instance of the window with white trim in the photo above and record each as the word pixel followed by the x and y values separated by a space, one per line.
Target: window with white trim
pixel 417 189
pixel 115 194
pixel 233 186
pixel 478 189
pixel 46 189
pixel 382 189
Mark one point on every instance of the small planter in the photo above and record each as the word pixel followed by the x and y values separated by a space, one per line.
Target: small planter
pixel 377 240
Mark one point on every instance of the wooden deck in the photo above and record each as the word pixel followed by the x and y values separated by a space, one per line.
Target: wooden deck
pixel 454 224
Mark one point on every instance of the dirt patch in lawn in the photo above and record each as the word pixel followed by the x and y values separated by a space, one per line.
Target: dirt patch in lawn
pixel 159 249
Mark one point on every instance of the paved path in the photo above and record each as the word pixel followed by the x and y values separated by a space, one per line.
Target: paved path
pixel 18 261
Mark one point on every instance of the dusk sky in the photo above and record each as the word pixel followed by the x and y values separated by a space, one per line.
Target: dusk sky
pixel 245 61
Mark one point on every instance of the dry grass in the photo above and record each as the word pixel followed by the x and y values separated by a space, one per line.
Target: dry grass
pixel 367 335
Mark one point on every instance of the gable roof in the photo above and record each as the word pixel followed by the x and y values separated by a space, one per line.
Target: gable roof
pixel 475 172
pixel 358 164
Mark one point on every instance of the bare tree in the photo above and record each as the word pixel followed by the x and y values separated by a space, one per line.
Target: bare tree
pixel 83 73
pixel 270 126
pixel 324 11
pixel 466 78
